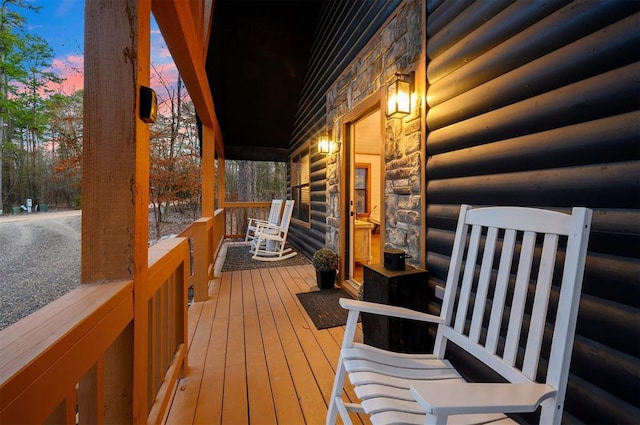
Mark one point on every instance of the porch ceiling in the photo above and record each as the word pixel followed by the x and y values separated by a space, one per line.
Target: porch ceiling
pixel 256 62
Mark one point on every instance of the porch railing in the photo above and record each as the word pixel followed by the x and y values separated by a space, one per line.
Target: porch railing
pixel 54 359
pixel 163 305
pixel 238 214
pixel 207 235
pixel 56 364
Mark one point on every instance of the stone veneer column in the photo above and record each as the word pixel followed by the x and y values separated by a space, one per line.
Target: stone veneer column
pixel 333 202
pixel 402 186
pixel 395 48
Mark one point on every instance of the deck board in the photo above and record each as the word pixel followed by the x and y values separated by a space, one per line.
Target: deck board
pixel 284 393
pixel 259 390
pixel 255 355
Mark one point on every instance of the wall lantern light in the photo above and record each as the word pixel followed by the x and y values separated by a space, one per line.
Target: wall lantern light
pixel 326 145
pixel 399 95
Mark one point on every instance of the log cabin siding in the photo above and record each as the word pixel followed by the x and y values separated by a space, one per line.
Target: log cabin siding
pixel 537 104
pixel 343 30
pixel 528 103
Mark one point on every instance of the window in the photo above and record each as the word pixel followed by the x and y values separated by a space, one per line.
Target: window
pixel 362 189
pixel 300 186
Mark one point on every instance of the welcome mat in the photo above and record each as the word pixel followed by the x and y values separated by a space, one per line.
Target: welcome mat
pixel 239 258
pixel 323 307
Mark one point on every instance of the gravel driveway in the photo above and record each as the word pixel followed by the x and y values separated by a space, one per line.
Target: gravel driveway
pixel 39 261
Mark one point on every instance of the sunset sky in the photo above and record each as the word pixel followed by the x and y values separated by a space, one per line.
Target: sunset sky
pixel 61 24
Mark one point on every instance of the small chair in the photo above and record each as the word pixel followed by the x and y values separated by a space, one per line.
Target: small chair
pixel 497 298
pixel 269 241
pixel 274 218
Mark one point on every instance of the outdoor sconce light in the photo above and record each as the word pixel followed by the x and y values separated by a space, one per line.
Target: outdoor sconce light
pixel 326 145
pixel 399 95
pixel 148 105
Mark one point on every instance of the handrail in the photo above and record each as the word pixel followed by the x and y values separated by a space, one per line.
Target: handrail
pixel 48 353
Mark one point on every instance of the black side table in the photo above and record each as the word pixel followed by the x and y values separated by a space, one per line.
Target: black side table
pixel 403 288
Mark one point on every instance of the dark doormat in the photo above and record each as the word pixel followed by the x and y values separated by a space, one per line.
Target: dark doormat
pixel 239 258
pixel 323 307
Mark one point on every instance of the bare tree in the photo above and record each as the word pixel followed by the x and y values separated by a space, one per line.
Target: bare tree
pixel 174 153
pixel 65 128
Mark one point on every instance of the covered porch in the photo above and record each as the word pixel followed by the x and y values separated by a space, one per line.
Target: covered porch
pixel 126 348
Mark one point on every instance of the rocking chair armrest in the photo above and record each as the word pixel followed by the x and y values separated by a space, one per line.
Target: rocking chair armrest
pixel 261 227
pixel 257 221
pixel 455 397
pixel 388 310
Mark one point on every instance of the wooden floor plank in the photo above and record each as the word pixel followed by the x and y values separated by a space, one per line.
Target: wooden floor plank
pixel 209 408
pixel 261 407
pixel 235 406
pixel 255 355
pixel 195 309
pixel 288 410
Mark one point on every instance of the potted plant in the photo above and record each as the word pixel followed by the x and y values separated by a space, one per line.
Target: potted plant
pixel 325 262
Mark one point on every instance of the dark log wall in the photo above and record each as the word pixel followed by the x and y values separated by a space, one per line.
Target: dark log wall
pixel 344 28
pixel 536 103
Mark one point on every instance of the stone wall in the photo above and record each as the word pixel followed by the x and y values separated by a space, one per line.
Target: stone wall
pixel 395 48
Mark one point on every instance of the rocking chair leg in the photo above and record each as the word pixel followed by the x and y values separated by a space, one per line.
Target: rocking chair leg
pixel 338 385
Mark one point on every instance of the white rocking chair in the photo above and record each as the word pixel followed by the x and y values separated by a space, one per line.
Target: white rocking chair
pixel 274 218
pixel 269 240
pixel 488 312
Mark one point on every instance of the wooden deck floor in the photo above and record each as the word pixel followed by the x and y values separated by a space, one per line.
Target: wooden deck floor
pixel 255 356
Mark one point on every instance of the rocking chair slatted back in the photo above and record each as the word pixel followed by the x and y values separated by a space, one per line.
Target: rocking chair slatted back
pixel 274 212
pixel 474 290
pixel 274 218
pixel 286 218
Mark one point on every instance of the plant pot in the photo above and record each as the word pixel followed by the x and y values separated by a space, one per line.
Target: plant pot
pixel 326 279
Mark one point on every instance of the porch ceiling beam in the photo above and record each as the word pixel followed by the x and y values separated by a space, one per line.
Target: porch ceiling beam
pixel 175 20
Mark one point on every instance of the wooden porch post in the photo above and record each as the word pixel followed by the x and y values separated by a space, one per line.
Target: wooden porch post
pixel 208 155
pixel 221 184
pixel 115 183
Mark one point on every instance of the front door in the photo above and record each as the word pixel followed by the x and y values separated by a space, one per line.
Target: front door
pixel 365 193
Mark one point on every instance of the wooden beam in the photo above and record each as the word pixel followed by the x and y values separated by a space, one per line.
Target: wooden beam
pixel 176 22
pixel 115 184
pixel 208 155
pixel 221 183
pixel 178 27
pixel 115 177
